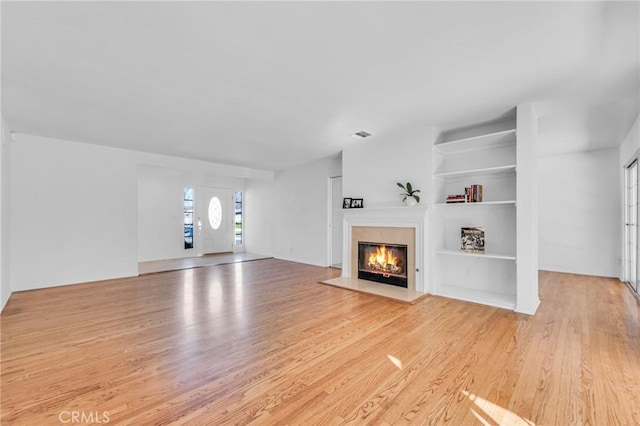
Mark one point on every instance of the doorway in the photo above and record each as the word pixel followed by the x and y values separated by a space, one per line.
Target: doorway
pixel 214 221
pixel 631 225
pixel 335 221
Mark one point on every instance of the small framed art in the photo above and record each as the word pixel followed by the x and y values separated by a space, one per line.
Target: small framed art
pixel 357 203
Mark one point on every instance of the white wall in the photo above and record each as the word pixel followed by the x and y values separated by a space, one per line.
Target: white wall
pixel 580 213
pixel 373 166
pixel 5 284
pixel 160 230
pixel 74 209
pixel 287 218
pixel 527 211
pixel 160 208
pixel 630 147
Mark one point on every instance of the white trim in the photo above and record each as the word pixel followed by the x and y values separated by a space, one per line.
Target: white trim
pixel 634 157
pixel 329 225
pixel 3 303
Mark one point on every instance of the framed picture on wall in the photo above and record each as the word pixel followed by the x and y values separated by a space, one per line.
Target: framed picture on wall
pixel 346 203
pixel 356 203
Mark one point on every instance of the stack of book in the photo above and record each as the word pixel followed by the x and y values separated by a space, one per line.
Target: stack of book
pixel 473 194
pixel 459 198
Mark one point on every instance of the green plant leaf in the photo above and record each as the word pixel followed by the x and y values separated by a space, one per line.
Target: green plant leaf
pixel 409 189
pixel 401 185
pixel 417 197
pixel 416 190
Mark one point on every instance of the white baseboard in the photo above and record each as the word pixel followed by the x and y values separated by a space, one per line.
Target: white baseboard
pixel 3 303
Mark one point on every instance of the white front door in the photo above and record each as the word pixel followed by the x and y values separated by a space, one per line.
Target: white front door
pixel 214 221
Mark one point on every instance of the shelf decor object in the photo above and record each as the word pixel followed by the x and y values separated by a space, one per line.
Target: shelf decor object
pixel 356 203
pixel 410 195
pixel 472 239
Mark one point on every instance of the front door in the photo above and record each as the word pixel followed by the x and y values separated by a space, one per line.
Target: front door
pixel 214 219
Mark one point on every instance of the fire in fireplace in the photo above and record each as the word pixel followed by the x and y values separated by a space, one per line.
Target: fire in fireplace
pixel 383 263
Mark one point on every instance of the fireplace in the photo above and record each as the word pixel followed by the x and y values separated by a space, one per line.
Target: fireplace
pixel 393 226
pixel 383 263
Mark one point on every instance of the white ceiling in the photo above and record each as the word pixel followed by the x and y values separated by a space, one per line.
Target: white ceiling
pixel 271 85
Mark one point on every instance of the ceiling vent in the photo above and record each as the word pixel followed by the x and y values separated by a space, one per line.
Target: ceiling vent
pixel 361 134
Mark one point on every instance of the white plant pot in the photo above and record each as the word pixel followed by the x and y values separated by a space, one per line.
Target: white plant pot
pixel 410 201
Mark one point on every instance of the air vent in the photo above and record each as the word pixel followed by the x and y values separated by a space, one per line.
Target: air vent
pixel 361 134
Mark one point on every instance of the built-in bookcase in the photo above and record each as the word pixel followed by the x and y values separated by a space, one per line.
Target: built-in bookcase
pixel 484 154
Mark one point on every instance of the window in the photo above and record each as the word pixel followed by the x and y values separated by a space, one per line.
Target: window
pixel 188 217
pixel 215 213
pixel 238 218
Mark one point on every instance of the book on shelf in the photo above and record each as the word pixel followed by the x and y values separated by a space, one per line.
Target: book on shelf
pixel 459 198
pixel 473 193
pixel 472 239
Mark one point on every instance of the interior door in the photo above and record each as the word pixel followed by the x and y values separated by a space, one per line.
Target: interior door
pixel 214 220
pixel 336 222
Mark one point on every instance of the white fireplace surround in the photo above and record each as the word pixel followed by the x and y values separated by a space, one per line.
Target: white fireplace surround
pixel 401 217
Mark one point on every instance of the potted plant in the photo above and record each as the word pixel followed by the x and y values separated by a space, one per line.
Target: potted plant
pixel 410 196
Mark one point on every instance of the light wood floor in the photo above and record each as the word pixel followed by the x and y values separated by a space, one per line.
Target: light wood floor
pixel 153 266
pixel 261 342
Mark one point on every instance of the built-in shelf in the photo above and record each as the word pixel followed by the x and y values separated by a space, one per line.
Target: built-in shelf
pixel 496 154
pixel 487 255
pixel 486 141
pixel 487 171
pixel 483 203
pixel 499 300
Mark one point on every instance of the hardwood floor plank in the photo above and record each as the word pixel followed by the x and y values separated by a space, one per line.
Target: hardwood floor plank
pixel 263 343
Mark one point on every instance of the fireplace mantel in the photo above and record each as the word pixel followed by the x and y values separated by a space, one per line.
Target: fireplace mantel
pixel 388 217
pixel 386 213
